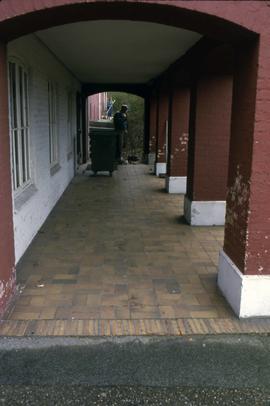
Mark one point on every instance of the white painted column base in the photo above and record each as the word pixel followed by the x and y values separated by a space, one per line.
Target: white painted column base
pixel 248 295
pixel 176 184
pixel 200 213
pixel 161 167
pixel 151 161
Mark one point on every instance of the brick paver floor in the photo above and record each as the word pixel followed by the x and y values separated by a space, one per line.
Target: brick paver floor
pixel 117 248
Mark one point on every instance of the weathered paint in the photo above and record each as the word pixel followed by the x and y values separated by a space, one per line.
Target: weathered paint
pixel 178 131
pixel 245 241
pixel 162 120
pixel 153 123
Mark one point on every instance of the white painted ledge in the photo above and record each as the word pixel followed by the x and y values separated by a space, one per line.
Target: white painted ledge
pixel 176 184
pixel 200 213
pixel 248 295
pixel 151 161
pixel 161 167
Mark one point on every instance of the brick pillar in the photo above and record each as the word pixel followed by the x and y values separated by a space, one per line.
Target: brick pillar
pixel 244 265
pixel 176 178
pixel 146 128
pixel 162 129
pixel 152 131
pixel 209 137
pixel 7 257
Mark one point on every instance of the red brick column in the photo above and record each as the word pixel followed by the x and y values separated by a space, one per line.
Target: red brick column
pixel 152 130
pixel 209 138
pixel 244 266
pixel 176 178
pixel 162 128
pixel 7 257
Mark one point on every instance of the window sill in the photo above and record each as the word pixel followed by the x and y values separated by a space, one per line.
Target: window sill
pixel 54 169
pixel 24 196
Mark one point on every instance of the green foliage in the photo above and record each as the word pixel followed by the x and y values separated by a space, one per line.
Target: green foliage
pixel 135 120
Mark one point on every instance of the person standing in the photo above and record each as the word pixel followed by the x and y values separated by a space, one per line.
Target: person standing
pixel 121 127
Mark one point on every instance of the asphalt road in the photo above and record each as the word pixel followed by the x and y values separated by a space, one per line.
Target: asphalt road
pixel 208 370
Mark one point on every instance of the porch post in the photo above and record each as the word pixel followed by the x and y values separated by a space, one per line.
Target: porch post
pixel 244 264
pixel 7 256
pixel 176 178
pixel 146 128
pixel 209 138
pixel 162 128
pixel 152 130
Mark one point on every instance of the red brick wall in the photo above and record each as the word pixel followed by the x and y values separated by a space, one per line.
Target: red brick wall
pixel 178 131
pixel 153 124
pixel 247 231
pixel 97 106
pixel 7 260
pixel 218 19
pixel 209 148
pixel 162 117
pixel 93 103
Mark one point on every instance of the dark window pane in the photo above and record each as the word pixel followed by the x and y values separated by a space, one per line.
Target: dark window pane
pixel 26 98
pixel 24 176
pixel 13 94
pixel 27 155
pixel 16 158
pixel 21 97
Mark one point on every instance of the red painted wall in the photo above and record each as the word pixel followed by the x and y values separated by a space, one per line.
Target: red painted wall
pixel 7 259
pixel 209 148
pixel 162 118
pixel 93 103
pixel 178 131
pixel 97 104
pixel 153 124
pixel 180 13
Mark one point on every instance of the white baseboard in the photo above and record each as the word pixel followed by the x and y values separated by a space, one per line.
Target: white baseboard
pixel 176 184
pixel 200 213
pixel 161 167
pixel 248 295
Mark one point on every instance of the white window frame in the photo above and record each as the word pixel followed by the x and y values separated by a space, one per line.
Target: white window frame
pixel 53 124
pixel 19 124
pixel 70 121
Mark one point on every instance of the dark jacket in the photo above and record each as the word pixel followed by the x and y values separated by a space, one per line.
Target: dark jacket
pixel 120 121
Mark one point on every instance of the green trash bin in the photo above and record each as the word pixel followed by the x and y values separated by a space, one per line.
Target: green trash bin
pixel 102 150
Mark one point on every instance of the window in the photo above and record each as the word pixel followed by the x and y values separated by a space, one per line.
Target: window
pixel 19 124
pixel 53 133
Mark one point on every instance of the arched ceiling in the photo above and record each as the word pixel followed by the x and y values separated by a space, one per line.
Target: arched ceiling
pixel 109 51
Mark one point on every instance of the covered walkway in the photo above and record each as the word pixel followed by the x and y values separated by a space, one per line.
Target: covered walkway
pixel 206 130
pixel 117 249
